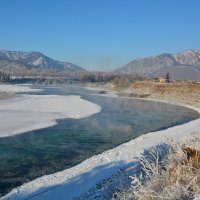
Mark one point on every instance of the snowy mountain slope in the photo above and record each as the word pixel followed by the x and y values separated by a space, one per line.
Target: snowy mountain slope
pixel 183 66
pixel 34 60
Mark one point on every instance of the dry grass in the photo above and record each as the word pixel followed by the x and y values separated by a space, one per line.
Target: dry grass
pixel 177 178
pixel 184 92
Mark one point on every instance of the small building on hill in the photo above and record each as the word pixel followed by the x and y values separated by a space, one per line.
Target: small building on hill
pixel 162 80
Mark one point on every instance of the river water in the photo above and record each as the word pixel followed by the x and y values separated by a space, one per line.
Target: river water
pixel 30 155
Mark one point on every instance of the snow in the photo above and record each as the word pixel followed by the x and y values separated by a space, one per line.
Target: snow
pixel 38 61
pixel 16 88
pixel 31 112
pixel 73 182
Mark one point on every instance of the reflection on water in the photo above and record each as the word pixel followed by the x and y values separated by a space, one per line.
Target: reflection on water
pixel 27 156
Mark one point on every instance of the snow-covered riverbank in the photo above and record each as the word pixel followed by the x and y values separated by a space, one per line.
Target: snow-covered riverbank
pixel 73 182
pixel 17 88
pixel 31 112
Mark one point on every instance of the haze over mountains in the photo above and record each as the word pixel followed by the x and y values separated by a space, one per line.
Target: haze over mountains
pixel 29 60
pixel 181 66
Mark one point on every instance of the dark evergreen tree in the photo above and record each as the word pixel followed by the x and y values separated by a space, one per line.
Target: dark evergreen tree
pixel 167 77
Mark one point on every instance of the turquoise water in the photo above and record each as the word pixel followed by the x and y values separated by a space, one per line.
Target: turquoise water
pixel 28 156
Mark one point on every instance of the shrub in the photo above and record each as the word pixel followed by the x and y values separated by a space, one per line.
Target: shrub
pixel 177 177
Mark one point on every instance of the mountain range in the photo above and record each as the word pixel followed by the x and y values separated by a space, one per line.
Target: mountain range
pixel 181 66
pixel 29 60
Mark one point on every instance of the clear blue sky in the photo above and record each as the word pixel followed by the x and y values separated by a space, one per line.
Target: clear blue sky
pixel 99 34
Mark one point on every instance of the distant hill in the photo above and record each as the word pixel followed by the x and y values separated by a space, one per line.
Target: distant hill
pixel 29 60
pixel 181 66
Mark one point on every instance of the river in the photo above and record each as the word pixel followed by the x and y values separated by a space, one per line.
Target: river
pixel 30 155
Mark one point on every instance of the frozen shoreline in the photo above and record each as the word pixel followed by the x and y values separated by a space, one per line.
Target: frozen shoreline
pixel 77 180
pixel 32 112
pixel 17 88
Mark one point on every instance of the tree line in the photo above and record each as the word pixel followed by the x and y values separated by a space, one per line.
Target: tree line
pixel 4 77
pixel 120 80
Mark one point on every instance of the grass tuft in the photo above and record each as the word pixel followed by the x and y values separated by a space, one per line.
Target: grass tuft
pixel 173 177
